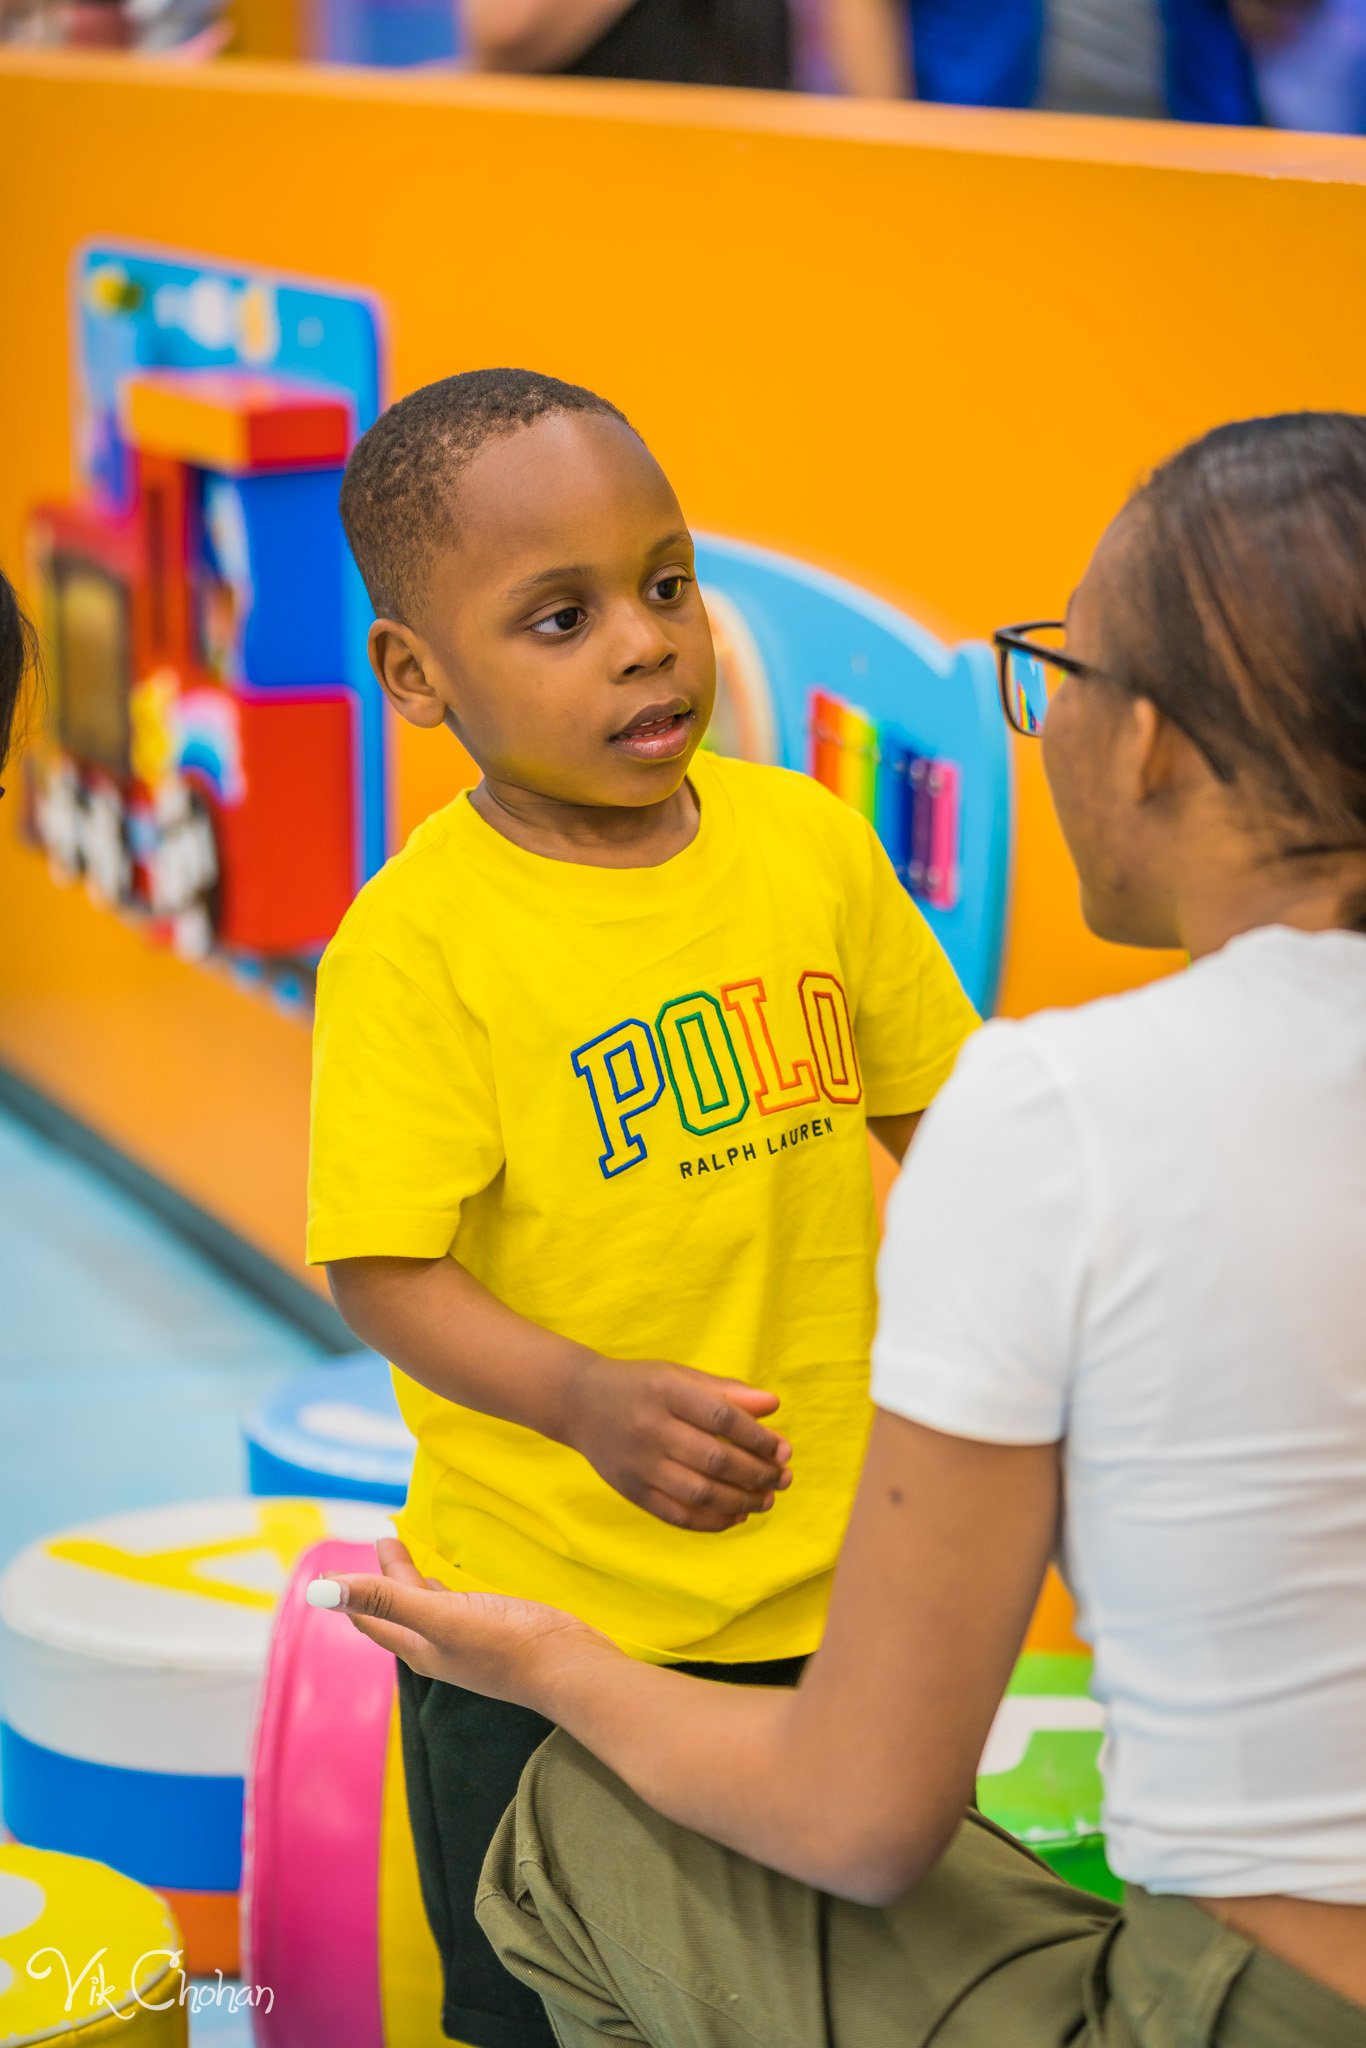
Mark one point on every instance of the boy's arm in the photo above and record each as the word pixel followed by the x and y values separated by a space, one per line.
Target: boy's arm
pixel 911 1016
pixel 684 1445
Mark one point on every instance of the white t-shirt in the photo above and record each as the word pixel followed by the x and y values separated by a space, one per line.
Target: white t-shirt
pixel 1140 1227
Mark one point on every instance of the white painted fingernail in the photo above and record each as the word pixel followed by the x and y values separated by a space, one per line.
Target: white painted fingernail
pixel 323 1593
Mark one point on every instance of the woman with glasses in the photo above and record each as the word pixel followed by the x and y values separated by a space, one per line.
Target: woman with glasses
pixel 1123 1316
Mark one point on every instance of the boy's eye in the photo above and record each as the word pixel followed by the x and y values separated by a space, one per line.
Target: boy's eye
pixel 561 622
pixel 669 588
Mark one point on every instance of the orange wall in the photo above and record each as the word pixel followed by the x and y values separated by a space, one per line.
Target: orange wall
pixel 928 349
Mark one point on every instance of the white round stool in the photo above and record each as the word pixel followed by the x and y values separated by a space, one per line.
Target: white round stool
pixel 134 1651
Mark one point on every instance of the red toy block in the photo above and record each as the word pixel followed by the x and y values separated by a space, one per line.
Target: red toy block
pixel 286 847
pixel 234 421
pixel 160 595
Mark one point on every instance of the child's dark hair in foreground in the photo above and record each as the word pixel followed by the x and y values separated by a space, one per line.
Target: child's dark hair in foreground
pixel 18 657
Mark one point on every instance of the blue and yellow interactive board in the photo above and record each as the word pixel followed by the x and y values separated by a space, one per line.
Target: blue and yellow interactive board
pixel 815 673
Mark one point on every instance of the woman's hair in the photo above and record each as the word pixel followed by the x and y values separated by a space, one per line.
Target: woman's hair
pixel 1249 581
pixel 18 655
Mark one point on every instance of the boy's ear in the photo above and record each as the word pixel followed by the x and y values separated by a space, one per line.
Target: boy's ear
pixel 397 656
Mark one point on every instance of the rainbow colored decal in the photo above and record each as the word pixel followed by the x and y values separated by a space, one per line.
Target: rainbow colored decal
pixel 912 800
pixel 816 674
pixel 209 742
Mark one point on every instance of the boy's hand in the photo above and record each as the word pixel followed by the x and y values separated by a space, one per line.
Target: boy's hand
pixel 683 1445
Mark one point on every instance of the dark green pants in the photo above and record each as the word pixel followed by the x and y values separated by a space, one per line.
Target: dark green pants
pixel 462 1758
pixel 634 1930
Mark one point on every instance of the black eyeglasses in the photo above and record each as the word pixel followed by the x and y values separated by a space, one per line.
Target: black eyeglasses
pixel 1030 667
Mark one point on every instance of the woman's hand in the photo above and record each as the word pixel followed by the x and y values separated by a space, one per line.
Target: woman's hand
pixel 505 1649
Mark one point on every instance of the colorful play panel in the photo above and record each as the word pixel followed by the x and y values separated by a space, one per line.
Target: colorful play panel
pixel 212 710
pixel 816 674
pixel 212 706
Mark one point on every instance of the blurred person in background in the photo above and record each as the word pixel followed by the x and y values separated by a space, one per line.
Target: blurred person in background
pixel 1310 63
pixel 1289 63
pixel 184 28
pixel 1184 58
pixel 1092 56
pixel 685 42
pixel 980 53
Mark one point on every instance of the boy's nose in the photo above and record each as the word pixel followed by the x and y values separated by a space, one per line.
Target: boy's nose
pixel 643 646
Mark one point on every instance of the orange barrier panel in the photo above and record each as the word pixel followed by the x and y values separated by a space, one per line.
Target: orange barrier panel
pixel 927 349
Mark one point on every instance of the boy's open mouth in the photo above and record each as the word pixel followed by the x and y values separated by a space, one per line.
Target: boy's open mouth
pixel 657 733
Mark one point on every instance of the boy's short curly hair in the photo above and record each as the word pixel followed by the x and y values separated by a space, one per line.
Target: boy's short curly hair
pixel 398 493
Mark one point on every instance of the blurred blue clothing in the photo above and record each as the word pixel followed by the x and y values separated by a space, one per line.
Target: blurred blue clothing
pixel 978 53
pixel 1209 75
pixel 989 53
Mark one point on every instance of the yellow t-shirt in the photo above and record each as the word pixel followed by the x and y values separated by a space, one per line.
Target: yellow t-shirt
pixel 632 1102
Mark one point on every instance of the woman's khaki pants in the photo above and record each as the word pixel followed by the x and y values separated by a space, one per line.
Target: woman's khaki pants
pixel 632 1929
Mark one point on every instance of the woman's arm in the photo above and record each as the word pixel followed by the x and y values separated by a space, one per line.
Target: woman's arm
pixel 894 1133
pixel 853 1783
pixel 942 1566
pixel 534 35
pixel 870 47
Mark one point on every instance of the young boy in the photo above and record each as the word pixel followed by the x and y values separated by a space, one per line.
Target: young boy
pixel 594 1059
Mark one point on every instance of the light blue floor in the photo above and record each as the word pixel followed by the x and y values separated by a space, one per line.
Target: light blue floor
pixel 127 1366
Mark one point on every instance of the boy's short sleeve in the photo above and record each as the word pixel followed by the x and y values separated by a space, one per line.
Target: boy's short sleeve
pixel 405 1121
pixel 911 1016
